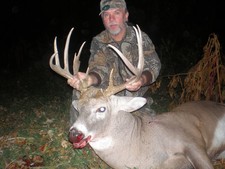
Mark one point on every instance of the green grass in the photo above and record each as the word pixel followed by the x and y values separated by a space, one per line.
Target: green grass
pixel 34 116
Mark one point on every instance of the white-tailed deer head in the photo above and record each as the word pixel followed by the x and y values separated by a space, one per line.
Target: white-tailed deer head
pixel 89 95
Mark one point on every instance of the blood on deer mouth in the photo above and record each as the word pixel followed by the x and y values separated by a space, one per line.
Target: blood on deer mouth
pixel 82 143
pixel 77 138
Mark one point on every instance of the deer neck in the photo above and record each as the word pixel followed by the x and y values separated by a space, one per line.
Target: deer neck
pixel 127 126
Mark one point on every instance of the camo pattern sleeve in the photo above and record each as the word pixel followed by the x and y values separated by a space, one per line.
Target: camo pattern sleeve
pixel 152 61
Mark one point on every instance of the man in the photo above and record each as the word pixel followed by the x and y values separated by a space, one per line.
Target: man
pixel 114 15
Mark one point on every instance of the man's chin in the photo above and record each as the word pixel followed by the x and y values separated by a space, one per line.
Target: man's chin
pixel 114 32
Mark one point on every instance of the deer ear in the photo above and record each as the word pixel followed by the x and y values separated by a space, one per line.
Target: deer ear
pixel 75 103
pixel 129 104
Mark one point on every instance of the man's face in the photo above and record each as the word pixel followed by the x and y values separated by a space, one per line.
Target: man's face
pixel 114 20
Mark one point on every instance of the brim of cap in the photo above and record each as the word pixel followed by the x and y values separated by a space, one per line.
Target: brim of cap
pixel 100 13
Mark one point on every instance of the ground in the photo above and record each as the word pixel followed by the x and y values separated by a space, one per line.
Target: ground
pixel 34 118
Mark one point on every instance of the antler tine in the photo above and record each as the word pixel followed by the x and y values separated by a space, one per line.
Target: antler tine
pixel 111 89
pixel 57 67
pixel 66 49
pixel 125 60
pixel 136 71
pixel 140 66
pixel 56 52
pixel 76 60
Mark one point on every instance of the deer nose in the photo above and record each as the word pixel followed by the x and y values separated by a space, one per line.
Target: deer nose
pixel 75 136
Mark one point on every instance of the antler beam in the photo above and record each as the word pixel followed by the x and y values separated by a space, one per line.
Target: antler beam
pixel 137 71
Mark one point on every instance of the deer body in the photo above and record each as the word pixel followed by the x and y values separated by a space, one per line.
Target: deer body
pixel 188 137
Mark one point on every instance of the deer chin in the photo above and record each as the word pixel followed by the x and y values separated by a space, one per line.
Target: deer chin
pixel 102 144
pixel 82 143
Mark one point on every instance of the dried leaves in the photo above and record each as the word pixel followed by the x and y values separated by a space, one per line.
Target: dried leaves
pixel 26 162
pixel 41 142
pixel 205 80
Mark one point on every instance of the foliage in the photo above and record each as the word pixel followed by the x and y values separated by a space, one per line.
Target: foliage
pixel 205 80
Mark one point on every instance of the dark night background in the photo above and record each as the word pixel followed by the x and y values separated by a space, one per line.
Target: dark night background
pixel 28 27
pixel 35 101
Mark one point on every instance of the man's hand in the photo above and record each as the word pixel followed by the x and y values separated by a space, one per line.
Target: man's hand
pixel 145 79
pixel 75 82
pixel 135 86
pixel 81 80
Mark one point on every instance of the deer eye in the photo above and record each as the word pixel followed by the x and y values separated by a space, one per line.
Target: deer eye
pixel 101 109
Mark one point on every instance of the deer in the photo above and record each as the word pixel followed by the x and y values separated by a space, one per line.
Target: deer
pixel 191 136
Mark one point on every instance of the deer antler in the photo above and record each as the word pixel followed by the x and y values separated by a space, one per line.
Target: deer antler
pixel 76 63
pixel 137 71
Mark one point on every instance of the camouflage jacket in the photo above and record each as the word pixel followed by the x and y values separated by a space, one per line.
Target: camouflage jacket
pixel 103 58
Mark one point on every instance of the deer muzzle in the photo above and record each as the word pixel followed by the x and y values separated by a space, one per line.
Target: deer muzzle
pixel 78 139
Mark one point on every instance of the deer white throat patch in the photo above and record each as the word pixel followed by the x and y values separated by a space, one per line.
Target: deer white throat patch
pixel 102 144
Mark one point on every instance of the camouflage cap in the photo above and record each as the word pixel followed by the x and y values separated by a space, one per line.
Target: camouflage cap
pixel 107 4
